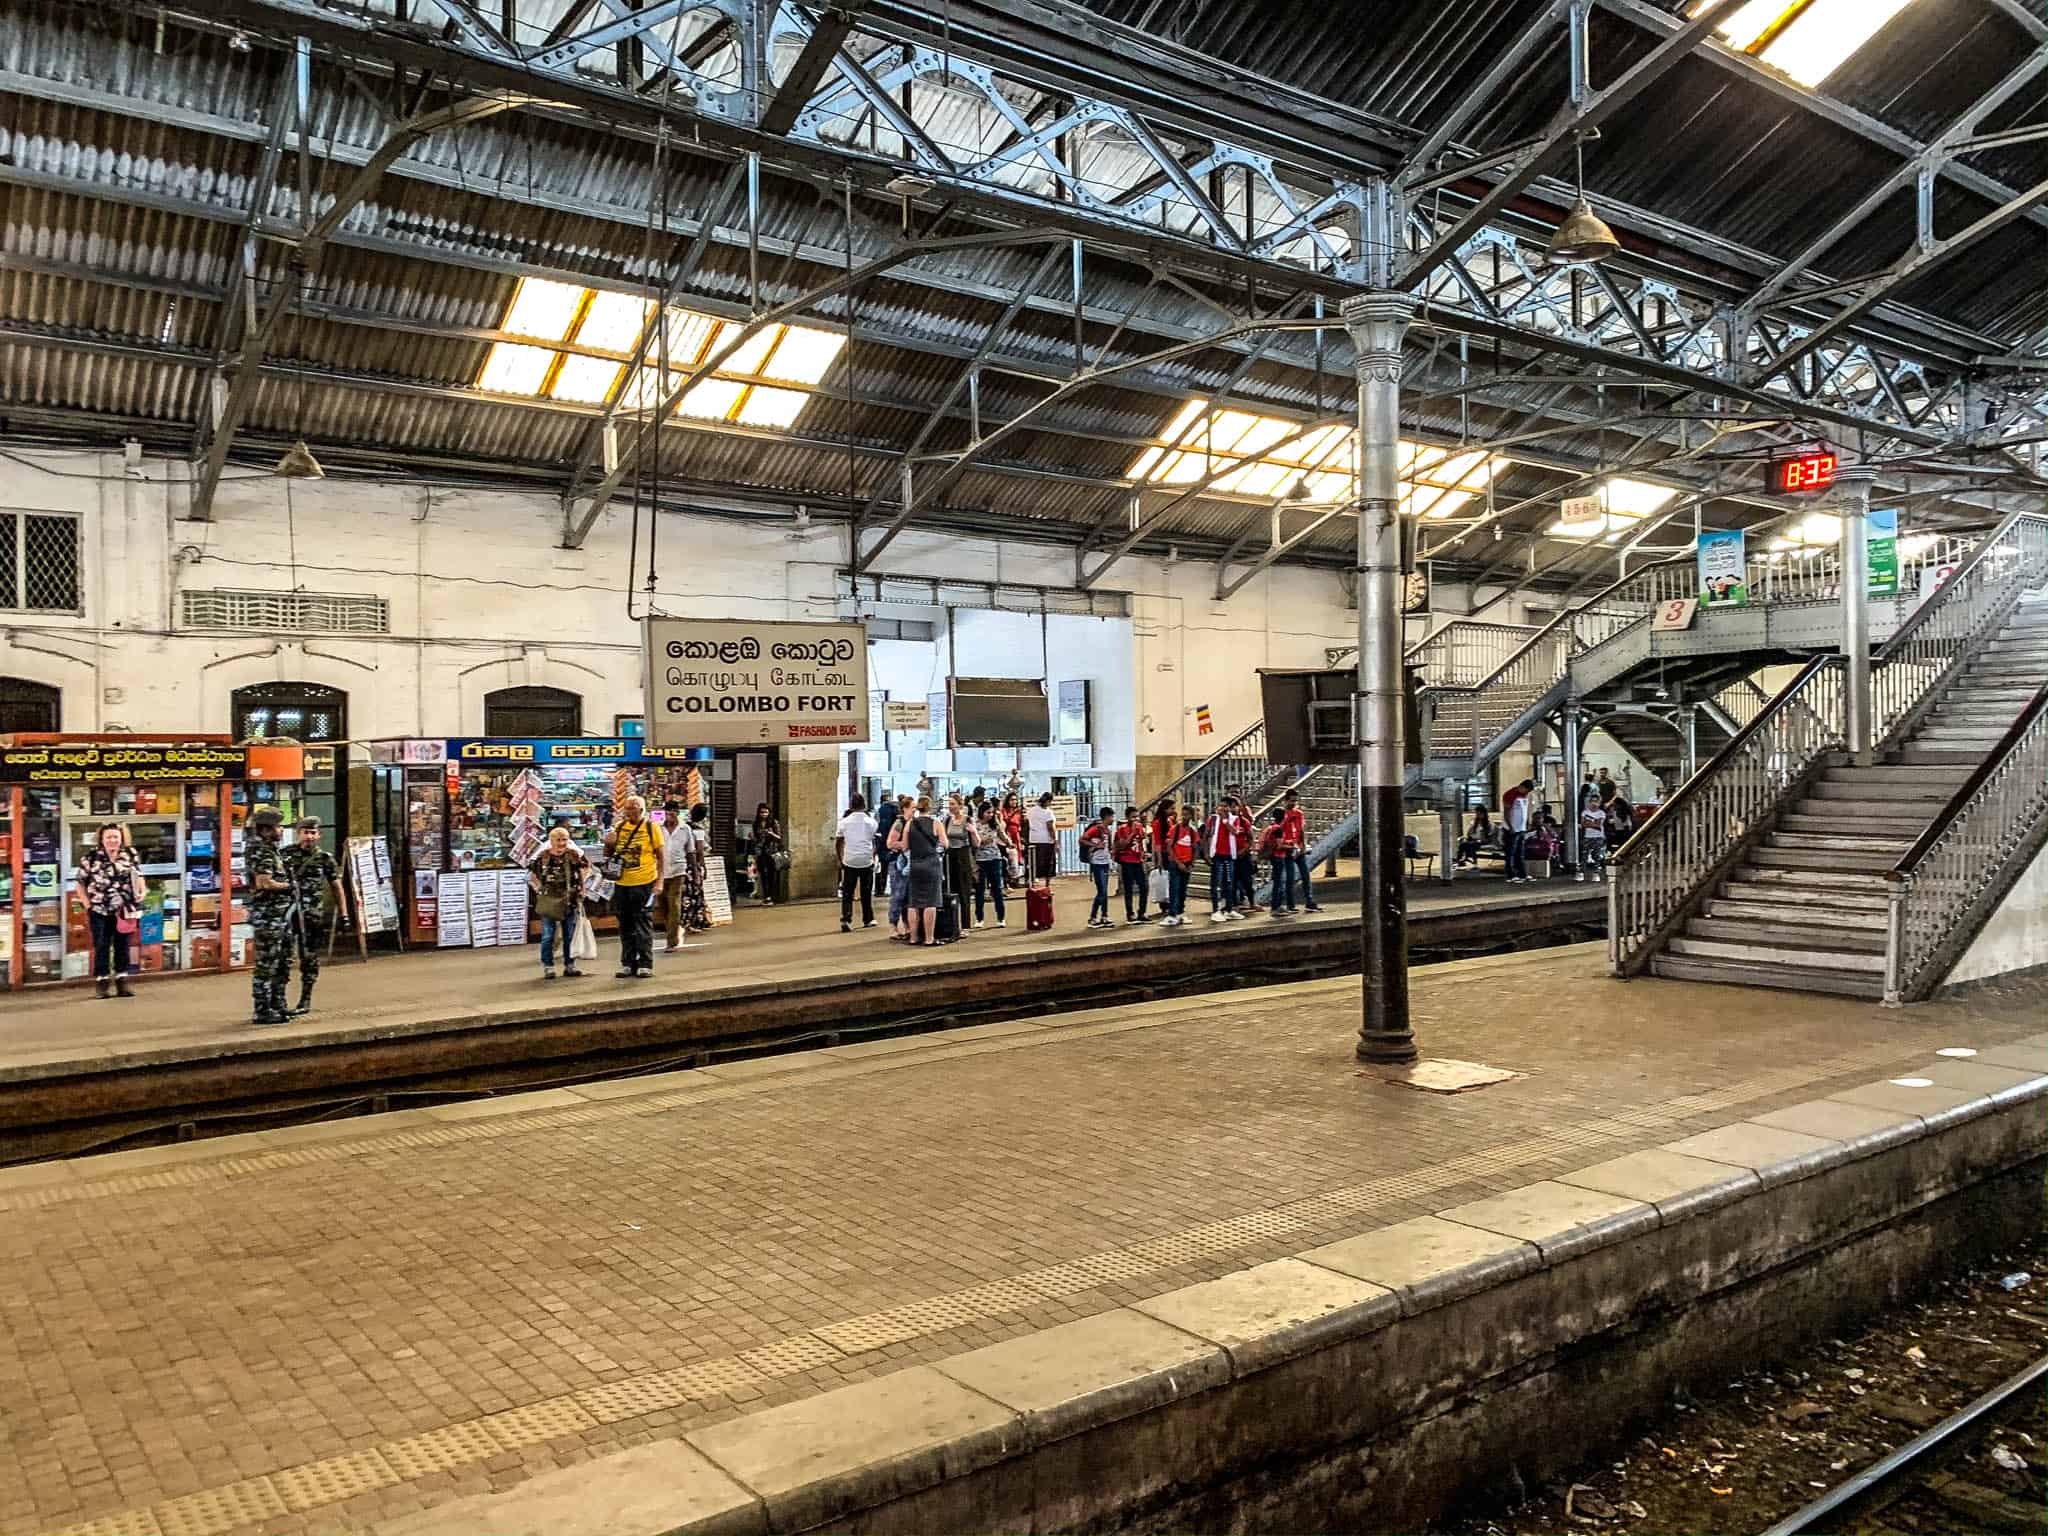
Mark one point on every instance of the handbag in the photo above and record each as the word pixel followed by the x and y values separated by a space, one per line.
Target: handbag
pixel 585 947
pixel 780 860
pixel 615 862
pixel 554 907
pixel 1159 887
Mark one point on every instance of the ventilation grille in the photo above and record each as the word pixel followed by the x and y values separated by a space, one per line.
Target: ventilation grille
pixel 288 613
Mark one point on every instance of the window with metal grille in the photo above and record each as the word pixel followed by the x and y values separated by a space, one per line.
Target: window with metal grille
pixel 288 612
pixel 39 562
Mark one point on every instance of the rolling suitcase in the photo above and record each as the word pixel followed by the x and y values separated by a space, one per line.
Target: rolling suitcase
pixel 1037 908
pixel 946 926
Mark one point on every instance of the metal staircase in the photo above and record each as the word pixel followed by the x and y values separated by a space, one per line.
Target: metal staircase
pixel 1485 684
pixel 1785 864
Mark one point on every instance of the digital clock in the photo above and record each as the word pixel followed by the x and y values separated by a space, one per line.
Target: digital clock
pixel 1802 474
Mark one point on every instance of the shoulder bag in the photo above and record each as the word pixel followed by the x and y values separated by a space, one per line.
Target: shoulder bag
pixel 615 861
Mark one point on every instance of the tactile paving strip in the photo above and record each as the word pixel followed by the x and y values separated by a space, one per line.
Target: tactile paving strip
pixel 129 1522
pixel 517 1428
pixel 786 1357
pixel 220 1509
pixel 440 1450
pixel 332 1480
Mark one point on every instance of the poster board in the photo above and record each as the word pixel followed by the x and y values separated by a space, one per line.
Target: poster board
pixel 483 909
pixel 1723 569
pixel 512 894
pixel 1882 540
pixel 452 931
pixel 717 896
pixel 366 871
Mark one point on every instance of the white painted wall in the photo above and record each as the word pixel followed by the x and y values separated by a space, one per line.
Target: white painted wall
pixel 481 598
pixel 2016 938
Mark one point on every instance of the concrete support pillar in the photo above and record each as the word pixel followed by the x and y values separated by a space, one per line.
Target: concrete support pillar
pixel 1378 322
pixel 1447 842
pixel 1852 503
pixel 1574 733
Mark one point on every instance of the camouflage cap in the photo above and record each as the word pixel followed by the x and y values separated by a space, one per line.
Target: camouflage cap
pixel 265 816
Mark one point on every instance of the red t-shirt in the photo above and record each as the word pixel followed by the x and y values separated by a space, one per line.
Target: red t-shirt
pixel 1130 843
pixel 1220 837
pixel 1181 842
pixel 1269 844
pixel 1293 829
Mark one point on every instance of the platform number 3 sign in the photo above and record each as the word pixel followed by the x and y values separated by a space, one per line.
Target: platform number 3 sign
pixel 1676 614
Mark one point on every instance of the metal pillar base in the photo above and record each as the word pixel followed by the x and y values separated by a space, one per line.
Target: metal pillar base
pixel 1384 1037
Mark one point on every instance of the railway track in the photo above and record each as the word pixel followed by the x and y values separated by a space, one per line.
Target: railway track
pixel 1914 1490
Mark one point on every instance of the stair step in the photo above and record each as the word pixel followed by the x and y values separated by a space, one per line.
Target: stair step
pixel 1829 913
pixel 1835 796
pixel 1778 977
pixel 1843 818
pixel 1927 757
pixel 1972 713
pixel 1857 894
pixel 1775 936
pixel 1881 773
pixel 1801 957
pixel 1958 738
pixel 1838 841
pixel 1826 860
pixel 1832 883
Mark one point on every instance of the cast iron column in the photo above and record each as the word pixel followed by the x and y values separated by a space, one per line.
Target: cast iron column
pixel 1377 322
pixel 1573 770
pixel 1689 724
pixel 1852 496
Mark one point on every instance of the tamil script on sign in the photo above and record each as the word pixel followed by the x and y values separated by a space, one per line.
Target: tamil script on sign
pixel 730 682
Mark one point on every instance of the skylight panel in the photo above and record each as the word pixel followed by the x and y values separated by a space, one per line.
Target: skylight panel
pixel 544 310
pixel 515 370
pixel 689 337
pixel 1634 498
pixel 1805 39
pixel 1184 420
pixel 1816 42
pixel 766 407
pixel 712 399
pixel 752 353
pixel 613 322
pixel 585 380
pixel 804 355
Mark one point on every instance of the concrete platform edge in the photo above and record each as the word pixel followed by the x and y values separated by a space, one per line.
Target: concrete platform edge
pixel 1145 1413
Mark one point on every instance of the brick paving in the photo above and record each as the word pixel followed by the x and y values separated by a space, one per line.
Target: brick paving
pixel 184 1015
pixel 316 1332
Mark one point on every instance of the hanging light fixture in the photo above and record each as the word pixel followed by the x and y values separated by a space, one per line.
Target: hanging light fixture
pixel 1583 239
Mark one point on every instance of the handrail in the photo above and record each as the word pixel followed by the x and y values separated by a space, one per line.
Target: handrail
pixel 1737 745
pixel 1925 612
pixel 1203 766
pixel 1960 800
pixel 1945 886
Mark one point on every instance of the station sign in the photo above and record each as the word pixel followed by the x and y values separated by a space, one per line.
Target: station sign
pixel 103 762
pixel 736 683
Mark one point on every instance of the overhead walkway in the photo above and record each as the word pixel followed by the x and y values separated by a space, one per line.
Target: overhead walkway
pixel 1786 863
pixel 1484 685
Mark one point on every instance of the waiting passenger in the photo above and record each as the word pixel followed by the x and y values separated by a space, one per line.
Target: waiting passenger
pixel 1098 853
pixel 991 866
pixel 1044 840
pixel 1481 834
pixel 1221 840
pixel 1178 849
pixel 110 884
pixel 556 878
pixel 919 836
pixel 1132 844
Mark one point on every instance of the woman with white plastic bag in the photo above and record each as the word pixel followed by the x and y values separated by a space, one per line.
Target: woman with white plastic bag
pixel 556 877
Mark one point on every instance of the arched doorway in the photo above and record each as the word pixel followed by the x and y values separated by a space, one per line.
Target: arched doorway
pixel 308 713
pixel 27 706
pixel 533 712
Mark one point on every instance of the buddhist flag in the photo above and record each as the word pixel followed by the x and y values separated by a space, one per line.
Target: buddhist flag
pixel 1204 726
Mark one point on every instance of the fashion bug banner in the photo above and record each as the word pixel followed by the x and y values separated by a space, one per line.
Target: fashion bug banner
pixel 735 683
pixel 1723 583
pixel 1884 551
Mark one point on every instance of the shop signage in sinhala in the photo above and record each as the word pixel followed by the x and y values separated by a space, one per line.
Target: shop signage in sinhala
pixel 118 763
pixel 735 683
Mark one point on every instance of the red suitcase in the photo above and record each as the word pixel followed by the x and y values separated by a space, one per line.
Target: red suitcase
pixel 1038 908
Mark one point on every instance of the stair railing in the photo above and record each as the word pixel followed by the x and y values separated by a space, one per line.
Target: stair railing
pixel 1917 662
pixel 1462 719
pixel 1947 883
pixel 1688 840
pixel 1657 876
pixel 1239 762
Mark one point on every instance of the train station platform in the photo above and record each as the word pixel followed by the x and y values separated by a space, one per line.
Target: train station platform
pixel 889 1285
pixel 78 1072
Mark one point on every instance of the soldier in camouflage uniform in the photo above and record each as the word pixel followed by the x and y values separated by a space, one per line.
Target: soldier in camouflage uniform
pixel 317 880
pixel 273 910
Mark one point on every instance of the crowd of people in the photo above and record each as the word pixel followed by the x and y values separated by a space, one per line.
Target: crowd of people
pixel 942 867
pixel 1528 830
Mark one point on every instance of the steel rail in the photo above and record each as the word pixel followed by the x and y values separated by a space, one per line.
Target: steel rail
pixel 1874 1478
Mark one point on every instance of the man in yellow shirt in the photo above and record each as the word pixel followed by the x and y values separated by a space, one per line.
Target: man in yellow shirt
pixel 636 842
